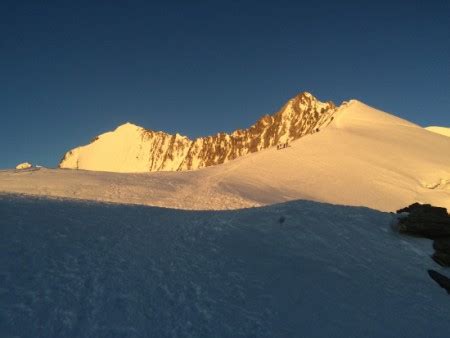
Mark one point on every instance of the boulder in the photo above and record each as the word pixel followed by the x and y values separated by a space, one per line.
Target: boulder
pixel 423 208
pixel 442 254
pixel 425 220
pixel 442 245
pixel 24 165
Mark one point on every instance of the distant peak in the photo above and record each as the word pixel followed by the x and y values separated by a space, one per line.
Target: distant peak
pixel 127 125
pixel 159 151
pixel 303 100
pixel 303 95
pixel 307 94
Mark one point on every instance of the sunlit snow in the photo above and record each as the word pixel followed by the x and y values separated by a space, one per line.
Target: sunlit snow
pixel 363 158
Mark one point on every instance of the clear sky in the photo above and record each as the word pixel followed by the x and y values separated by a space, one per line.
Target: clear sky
pixel 70 70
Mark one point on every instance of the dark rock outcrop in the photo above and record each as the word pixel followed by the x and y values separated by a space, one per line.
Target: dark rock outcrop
pixel 442 254
pixel 442 244
pixel 440 279
pixel 441 258
pixel 425 220
pixel 417 207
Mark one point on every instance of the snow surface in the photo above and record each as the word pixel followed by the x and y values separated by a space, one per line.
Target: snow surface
pixel 79 269
pixel 365 157
pixel 440 130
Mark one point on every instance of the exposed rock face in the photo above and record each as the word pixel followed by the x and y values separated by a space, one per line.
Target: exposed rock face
pixel 426 221
pixel 133 149
pixel 431 222
pixel 442 251
pixel 442 258
pixel 442 244
pixel 424 208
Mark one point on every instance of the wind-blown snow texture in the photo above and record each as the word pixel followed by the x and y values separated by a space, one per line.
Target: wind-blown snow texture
pixel 76 269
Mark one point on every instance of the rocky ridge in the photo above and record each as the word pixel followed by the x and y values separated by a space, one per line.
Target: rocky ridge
pixel 131 148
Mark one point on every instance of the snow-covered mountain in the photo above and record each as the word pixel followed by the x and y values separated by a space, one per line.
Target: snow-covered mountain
pixel 131 148
pixel 291 269
pixel 364 157
pixel 440 130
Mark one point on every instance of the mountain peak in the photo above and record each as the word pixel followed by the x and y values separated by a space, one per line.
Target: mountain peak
pixel 305 94
pixel 135 149
pixel 127 125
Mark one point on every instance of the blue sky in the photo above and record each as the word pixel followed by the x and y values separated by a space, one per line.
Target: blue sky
pixel 70 70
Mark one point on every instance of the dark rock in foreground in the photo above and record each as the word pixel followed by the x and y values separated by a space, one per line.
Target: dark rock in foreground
pixel 442 244
pixel 443 281
pixel 425 220
pixel 442 254
pixel 441 258
pixel 417 207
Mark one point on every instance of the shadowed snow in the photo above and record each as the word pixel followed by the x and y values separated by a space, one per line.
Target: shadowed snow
pixel 79 269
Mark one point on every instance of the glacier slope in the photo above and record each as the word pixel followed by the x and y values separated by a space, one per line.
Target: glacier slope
pixel 365 157
pixel 83 269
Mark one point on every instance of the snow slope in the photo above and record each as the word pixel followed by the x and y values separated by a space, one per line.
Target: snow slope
pixel 77 269
pixel 440 130
pixel 365 157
